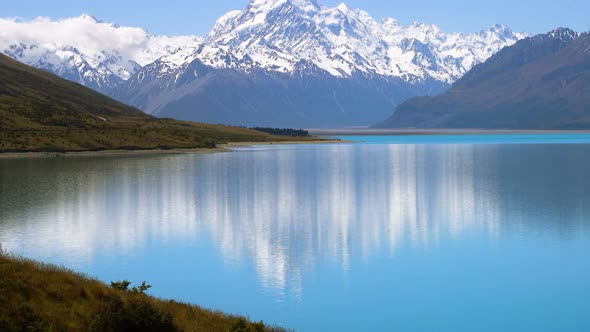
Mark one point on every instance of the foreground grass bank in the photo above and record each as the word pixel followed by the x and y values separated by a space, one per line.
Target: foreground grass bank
pixel 41 297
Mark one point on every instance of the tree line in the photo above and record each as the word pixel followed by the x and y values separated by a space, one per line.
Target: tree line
pixel 283 131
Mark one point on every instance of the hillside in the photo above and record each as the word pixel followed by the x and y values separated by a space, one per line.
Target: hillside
pixel 541 82
pixel 39 297
pixel 43 112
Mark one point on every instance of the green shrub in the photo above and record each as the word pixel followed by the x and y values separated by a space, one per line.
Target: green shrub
pixel 242 325
pixel 121 285
pixel 124 286
pixel 142 288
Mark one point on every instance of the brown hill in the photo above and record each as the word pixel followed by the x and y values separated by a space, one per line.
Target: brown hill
pixel 42 112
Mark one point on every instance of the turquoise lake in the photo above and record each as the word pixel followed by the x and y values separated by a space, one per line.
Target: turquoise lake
pixel 406 233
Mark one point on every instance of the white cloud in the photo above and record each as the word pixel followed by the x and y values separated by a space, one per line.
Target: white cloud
pixel 93 39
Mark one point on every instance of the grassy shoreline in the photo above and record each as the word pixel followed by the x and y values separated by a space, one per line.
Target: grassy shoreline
pixel 225 147
pixel 41 112
pixel 159 134
pixel 40 297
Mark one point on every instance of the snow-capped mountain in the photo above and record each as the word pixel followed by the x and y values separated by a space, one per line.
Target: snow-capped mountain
pixel 277 62
pixel 299 63
pixel 278 34
pixel 82 49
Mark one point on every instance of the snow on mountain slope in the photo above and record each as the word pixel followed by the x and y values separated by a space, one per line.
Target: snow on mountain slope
pixel 82 49
pixel 276 62
pixel 299 63
pixel 277 34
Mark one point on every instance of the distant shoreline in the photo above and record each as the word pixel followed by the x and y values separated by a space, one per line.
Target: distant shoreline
pixel 225 147
pixel 37 154
pixel 313 141
pixel 423 132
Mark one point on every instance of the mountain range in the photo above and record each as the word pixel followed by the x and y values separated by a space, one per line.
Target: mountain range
pixel 541 82
pixel 85 50
pixel 291 63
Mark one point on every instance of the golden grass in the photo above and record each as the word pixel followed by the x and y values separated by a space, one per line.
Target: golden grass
pixel 40 297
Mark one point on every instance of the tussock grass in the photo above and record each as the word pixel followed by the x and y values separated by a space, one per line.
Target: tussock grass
pixel 41 297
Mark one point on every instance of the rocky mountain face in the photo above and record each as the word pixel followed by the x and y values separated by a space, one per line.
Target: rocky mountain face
pixel 308 97
pixel 541 82
pixel 283 63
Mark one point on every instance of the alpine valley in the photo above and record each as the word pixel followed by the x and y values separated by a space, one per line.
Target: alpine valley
pixel 291 63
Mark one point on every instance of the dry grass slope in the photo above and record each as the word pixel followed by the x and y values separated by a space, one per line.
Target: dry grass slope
pixel 43 112
pixel 40 297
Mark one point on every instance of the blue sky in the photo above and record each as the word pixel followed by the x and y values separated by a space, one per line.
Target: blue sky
pixel 197 17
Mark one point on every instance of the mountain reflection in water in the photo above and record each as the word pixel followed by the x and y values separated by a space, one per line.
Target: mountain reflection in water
pixel 287 210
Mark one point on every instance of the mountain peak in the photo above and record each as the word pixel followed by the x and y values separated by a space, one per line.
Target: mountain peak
pixel 343 7
pixel 88 17
pixel 267 5
pixel 564 34
pixel 500 28
pixel 343 40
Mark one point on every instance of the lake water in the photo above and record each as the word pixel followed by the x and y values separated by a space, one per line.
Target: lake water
pixel 433 233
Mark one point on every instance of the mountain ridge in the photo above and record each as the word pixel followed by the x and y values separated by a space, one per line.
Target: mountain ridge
pixel 539 83
pixel 340 40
